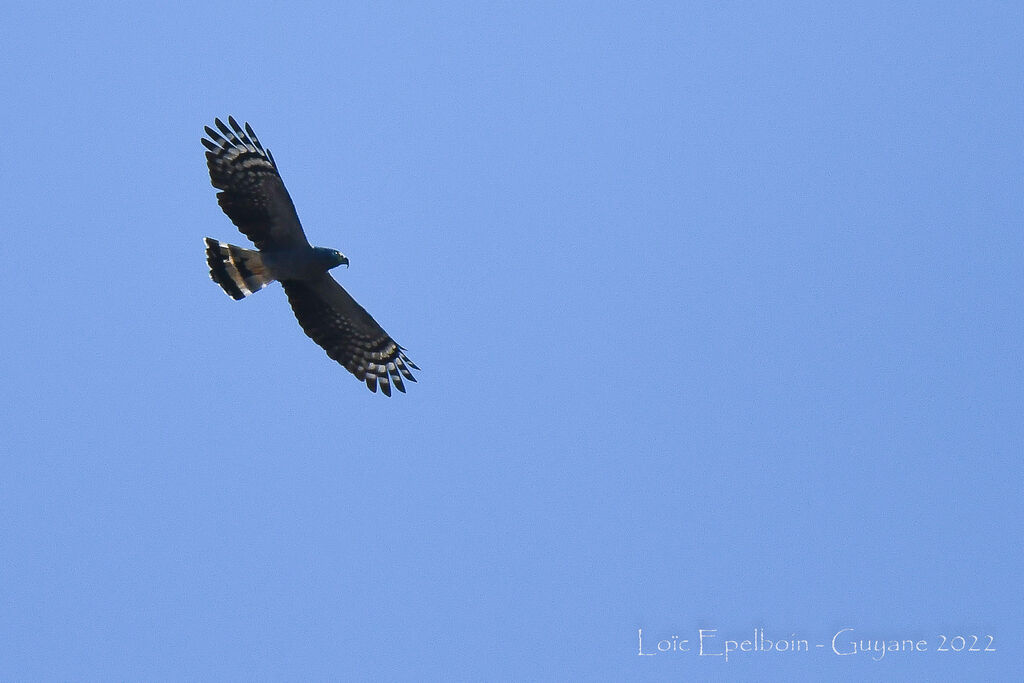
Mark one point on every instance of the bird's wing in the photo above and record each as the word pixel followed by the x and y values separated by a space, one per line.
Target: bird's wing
pixel 252 192
pixel 333 319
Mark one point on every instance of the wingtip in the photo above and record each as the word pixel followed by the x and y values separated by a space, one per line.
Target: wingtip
pixel 252 135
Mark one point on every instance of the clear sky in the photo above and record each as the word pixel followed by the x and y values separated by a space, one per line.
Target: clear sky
pixel 718 308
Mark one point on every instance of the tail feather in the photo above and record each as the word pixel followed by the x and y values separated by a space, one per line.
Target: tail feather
pixel 238 271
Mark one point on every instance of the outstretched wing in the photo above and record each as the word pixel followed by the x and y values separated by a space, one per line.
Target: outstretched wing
pixel 253 194
pixel 333 319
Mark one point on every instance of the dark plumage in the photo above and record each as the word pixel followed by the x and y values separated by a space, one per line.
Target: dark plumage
pixel 253 196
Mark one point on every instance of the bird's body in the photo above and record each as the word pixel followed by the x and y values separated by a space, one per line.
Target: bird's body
pixel 254 197
pixel 301 264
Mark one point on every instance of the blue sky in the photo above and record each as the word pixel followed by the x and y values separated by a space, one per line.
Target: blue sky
pixel 718 309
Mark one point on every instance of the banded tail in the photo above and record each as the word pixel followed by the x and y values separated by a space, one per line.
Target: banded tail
pixel 238 271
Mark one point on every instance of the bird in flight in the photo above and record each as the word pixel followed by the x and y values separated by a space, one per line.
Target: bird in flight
pixel 253 196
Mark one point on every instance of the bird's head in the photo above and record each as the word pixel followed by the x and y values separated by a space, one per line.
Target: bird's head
pixel 331 258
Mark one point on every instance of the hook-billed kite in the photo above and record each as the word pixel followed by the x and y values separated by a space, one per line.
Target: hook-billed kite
pixel 253 196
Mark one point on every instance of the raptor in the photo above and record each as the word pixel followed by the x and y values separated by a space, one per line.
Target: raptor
pixel 254 197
